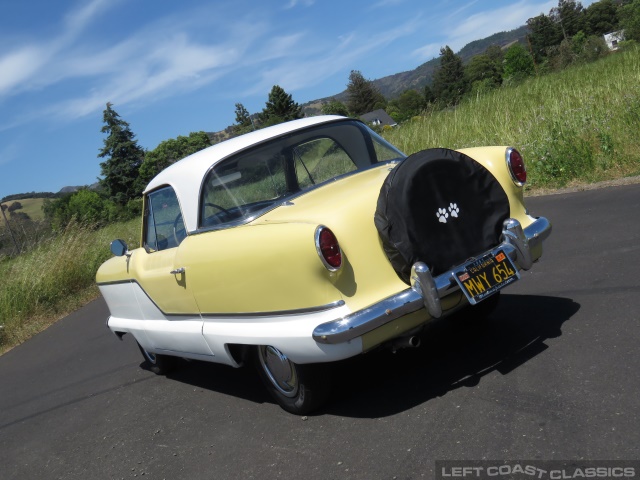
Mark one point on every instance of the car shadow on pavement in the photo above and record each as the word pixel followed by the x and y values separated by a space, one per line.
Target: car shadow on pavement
pixel 455 352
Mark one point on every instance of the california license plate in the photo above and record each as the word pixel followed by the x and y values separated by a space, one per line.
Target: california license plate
pixel 484 276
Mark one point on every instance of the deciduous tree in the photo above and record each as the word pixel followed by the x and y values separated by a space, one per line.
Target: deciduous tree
pixel 545 33
pixel 630 20
pixel 169 152
pixel 601 17
pixel 335 107
pixel 518 63
pixel 482 69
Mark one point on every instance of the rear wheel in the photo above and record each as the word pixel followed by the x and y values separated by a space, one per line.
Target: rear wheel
pixel 298 389
pixel 158 364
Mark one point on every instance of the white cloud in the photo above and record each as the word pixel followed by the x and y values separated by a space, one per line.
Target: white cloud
pixel 19 67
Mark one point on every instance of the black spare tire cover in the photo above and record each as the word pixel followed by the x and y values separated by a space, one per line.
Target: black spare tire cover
pixel 440 207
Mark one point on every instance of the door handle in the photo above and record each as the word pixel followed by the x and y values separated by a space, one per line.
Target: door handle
pixel 177 271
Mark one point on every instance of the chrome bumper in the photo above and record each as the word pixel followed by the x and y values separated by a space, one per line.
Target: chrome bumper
pixel 524 246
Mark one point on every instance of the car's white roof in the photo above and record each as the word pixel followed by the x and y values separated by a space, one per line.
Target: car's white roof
pixel 185 176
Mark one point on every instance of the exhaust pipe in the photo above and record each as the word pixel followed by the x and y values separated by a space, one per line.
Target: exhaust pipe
pixel 412 341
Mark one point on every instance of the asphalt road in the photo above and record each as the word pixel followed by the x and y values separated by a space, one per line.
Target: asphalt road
pixel 552 375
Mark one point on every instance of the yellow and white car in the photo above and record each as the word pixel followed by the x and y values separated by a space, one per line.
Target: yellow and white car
pixel 314 241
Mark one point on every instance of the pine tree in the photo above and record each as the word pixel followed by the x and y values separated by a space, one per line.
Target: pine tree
pixel 364 97
pixel 124 157
pixel 243 120
pixel 449 83
pixel 279 108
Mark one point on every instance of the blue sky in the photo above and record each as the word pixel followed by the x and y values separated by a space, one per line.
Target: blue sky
pixel 171 68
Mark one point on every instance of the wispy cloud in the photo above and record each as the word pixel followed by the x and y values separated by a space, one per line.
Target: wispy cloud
pixel 386 3
pixel 173 56
pixel 23 67
pixel 9 153
pixel 293 3
pixel 294 72
pixel 457 31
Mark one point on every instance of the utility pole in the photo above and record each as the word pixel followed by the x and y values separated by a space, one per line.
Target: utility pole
pixel 15 242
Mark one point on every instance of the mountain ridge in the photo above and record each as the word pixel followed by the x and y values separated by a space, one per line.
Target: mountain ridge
pixel 392 86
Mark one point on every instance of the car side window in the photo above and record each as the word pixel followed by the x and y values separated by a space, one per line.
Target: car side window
pixel 319 160
pixel 384 150
pixel 237 188
pixel 163 223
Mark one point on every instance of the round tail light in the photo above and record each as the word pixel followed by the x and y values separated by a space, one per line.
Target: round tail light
pixel 516 167
pixel 328 248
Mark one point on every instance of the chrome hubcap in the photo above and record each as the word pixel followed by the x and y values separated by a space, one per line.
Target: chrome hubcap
pixel 279 369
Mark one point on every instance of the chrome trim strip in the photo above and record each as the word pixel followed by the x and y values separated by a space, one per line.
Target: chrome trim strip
pixel 278 313
pixel 423 293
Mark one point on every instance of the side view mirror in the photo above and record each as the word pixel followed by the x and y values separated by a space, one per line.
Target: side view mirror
pixel 119 248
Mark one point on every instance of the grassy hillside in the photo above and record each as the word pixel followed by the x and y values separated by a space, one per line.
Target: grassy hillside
pixel 33 208
pixel 580 124
pixel 30 206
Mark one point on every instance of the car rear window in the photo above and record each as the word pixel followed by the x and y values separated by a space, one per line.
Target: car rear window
pixel 240 188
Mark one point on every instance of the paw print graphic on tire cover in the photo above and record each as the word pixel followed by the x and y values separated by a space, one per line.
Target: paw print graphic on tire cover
pixel 454 210
pixel 442 215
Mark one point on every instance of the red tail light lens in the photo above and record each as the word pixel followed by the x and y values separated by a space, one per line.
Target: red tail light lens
pixel 328 248
pixel 516 166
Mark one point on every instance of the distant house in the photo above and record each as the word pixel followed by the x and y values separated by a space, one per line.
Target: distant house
pixel 613 39
pixel 378 117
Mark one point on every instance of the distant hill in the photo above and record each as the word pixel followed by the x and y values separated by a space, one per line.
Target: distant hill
pixel 31 206
pixel 21 196
pixel 393 85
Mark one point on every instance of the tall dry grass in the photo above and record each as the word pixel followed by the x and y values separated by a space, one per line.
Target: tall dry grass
pixel 54 278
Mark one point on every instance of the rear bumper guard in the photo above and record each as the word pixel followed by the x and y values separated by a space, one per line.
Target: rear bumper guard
pixel 522 246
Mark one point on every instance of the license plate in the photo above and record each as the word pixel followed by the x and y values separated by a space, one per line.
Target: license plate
pixel 484 276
